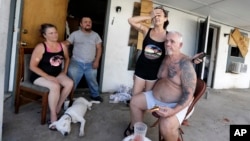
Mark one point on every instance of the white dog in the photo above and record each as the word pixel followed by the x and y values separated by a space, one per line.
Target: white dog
pixel 74 114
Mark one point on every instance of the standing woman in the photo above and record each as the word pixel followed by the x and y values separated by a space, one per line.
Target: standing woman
pixel 49 64
pixel 153 50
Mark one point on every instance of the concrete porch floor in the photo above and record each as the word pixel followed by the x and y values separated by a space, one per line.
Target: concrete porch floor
pixel 107 121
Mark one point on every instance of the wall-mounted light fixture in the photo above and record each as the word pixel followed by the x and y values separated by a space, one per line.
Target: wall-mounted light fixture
pixel 118 9
pixel 226 34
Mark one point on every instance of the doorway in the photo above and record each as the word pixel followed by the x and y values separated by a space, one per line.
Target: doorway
pixel 211 55
pixel 209 44
pixel 96 10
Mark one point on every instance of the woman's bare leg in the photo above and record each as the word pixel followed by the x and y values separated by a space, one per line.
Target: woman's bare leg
pixel 67 86
pixel 139 85
pixel 149 85
pixel 54 94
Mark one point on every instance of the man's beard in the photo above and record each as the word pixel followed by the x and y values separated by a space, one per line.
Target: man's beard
pixel 87 29
pixel 168 52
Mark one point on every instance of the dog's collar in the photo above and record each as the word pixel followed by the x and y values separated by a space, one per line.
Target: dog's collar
pixel 69 116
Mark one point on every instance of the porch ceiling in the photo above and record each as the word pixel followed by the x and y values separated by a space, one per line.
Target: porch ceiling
pixel 231 12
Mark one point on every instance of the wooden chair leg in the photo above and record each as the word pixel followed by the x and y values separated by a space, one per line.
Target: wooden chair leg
pixel 180 138
pixel 44 109
pixel 17 101
pixel 185 122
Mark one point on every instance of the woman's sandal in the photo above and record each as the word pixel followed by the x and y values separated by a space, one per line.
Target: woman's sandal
pixel 128 131
pixel 52 128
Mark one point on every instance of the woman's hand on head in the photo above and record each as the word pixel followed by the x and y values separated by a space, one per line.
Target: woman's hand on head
pixel 153 14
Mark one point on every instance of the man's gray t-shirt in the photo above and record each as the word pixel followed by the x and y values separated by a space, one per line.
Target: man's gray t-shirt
pixel 84 45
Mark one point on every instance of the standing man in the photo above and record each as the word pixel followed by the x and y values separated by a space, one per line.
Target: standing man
pixel 87 50
pixel 173 91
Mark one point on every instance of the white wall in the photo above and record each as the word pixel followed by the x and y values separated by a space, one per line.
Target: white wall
pixel 225 80
pixel 4 22
pixel 116 48
pixel 186 24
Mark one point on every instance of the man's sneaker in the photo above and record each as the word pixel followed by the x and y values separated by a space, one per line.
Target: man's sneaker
pixel 98 98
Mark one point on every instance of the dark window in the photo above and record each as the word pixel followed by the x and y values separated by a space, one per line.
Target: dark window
pixel 235 52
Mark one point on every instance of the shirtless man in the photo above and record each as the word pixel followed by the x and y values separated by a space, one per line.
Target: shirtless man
pixel 173 92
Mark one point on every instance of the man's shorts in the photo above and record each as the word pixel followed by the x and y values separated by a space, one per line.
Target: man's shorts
pixel 151 102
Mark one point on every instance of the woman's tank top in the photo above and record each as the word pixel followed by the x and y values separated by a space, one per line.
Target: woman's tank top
pixel 51 63
pixel 150 59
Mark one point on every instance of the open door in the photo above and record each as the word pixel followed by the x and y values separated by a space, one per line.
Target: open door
pixel 211 51
pixel 204 30
pixel 96 10
pixel 36 12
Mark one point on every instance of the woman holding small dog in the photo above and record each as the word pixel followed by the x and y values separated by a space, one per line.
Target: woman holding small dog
pixel 49 64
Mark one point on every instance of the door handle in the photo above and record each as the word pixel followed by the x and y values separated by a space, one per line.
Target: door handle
pixel 23 43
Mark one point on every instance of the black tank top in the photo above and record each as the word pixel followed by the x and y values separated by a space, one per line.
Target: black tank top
pixel 150 59
pixel 51 63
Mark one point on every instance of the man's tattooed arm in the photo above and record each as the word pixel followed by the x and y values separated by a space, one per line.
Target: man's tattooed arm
pixel 188 79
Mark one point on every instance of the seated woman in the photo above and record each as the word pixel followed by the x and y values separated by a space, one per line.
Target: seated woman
pixel 49 64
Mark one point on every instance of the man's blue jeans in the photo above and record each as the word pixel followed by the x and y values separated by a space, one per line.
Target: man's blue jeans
pixel 78 69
